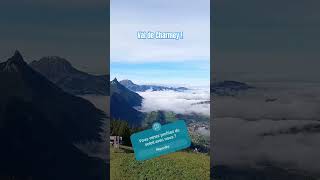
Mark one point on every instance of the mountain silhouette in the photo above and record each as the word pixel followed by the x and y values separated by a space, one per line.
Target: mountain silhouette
pixel 62 73
pixel 142 88
pixel 228 88
pixel 132 98
pixel 39 124
pixel 123 103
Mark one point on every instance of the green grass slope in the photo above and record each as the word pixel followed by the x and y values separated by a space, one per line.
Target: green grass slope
pixel 179 165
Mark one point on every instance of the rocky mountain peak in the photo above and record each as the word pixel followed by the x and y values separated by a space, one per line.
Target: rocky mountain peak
pixel 14 63
pixel 127 82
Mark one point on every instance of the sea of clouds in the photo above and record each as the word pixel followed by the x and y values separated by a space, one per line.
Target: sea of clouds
pixel 185 102
pixel 240 122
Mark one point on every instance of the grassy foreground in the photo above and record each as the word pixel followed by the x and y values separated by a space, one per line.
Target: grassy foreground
pixel 179 165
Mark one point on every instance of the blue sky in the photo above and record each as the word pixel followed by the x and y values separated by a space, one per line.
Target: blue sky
pixel 173 73
pixel 185 61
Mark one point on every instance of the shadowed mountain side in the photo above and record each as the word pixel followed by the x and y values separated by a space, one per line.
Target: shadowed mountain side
pixel 132 98
pixel 39 124
pixel 63 74
pixel 120 109
pixel 62 110
pixel 31 146
pixel 122 103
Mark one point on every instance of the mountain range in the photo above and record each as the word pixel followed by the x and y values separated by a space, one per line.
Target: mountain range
pixel 122 100
pixel 59 71
pixel 39 124
pixel 228 88
pixel 141 88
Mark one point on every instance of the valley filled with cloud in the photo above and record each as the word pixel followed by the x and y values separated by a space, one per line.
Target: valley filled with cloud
pixel 185 102
pixel 273 124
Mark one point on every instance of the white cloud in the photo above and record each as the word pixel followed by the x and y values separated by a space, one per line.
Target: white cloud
pixel 240 121
pixel 178 102
pixel 237 143
pixel 300 102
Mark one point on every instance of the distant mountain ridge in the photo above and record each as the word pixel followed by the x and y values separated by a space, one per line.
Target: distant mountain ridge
pixel 59 71
pixel 228 88
pixel 142 88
